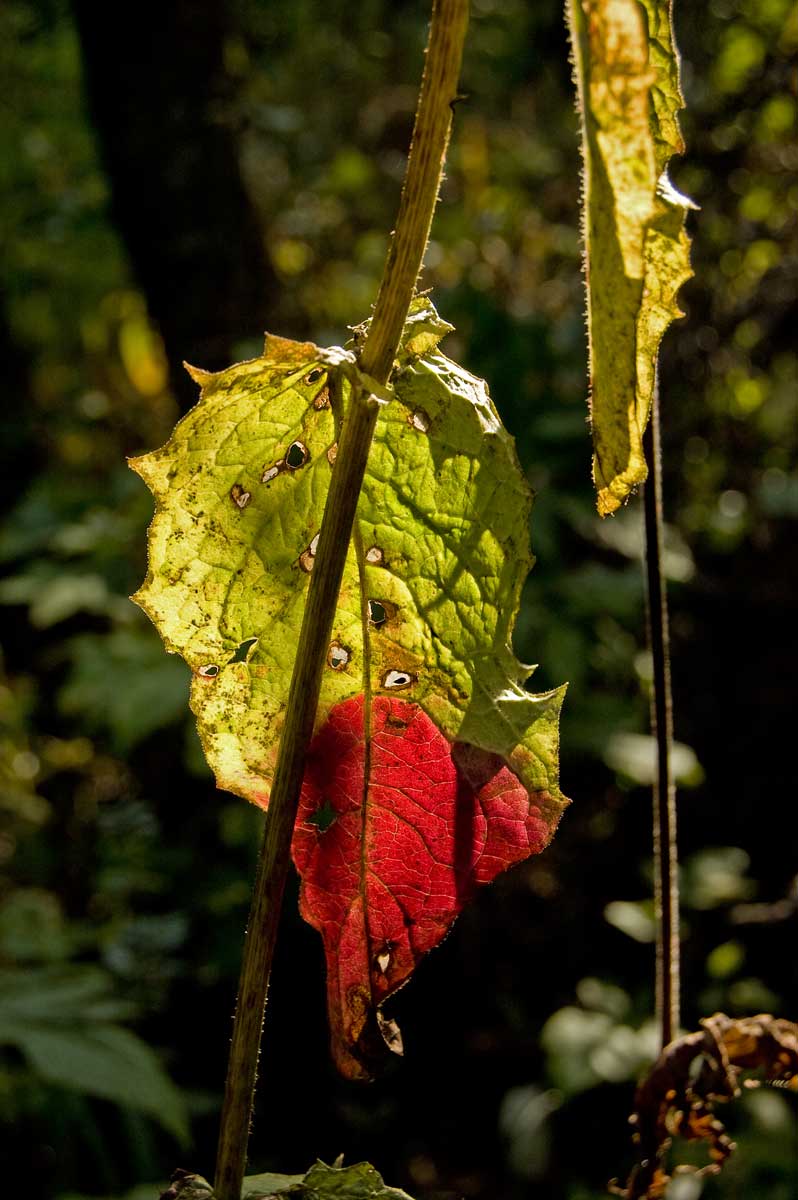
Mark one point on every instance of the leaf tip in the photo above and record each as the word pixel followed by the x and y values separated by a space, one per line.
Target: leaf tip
pixel 143 599
pixel 363 1054
pixel 198 374
pixel 140 465
pixel 287 352
pixel 424 329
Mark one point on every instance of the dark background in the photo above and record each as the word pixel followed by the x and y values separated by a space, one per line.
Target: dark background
pixel 176 177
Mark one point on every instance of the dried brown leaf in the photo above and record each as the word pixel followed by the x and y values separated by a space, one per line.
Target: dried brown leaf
pixel 694 1074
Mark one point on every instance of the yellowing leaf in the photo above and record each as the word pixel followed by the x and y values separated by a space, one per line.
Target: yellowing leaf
pixel 410 801
pixel 636 248
pixel 433 577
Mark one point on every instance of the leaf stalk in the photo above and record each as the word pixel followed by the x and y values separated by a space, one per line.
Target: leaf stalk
pixel 419 196
pixel 666 879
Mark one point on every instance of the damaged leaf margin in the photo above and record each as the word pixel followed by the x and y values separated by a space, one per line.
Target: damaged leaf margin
pixel 424 618
pixel 637 252
pixel 440 545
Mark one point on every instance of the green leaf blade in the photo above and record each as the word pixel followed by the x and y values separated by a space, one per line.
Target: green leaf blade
pixel 360 1181
pixel 60 1020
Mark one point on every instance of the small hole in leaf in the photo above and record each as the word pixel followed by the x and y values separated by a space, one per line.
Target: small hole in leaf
pixel 322 398
pixel 377 614
pixel 314 376
pixel 419 420
pixel 296 456
pixel 308 556
pixel 332 453
pixel 323 817
pixel 383 960
pixel 375 556
pixel 242 653
pixel 209 671
pixel 338 656
pixel 240 497
pixel 396 680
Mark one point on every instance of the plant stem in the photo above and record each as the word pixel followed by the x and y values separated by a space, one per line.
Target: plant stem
pixel 422 181
pixel 403 263
pixel 666 880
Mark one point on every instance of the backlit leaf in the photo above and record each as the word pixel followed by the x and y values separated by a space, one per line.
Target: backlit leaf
pixel 410 824
pixel 430 591
pixel 359 1182
pixel 62 1021
pixel 636 249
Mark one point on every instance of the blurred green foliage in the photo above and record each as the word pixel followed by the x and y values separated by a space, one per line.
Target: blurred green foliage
pixel 124 878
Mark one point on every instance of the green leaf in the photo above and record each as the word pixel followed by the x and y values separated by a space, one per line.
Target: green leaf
pixel 54 594
pixel 636 249
pixel 60 1020
pixel 358 1182
pixel 121 682
pixel 32 927
pixel 268 1184
pixel 62 995
pixel 432 582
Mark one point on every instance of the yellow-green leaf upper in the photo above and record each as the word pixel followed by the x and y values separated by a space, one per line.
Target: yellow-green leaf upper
pixel 432 581
pixel 636 248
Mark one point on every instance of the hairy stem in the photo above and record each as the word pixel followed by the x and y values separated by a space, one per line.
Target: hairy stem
pixel 666 882
pixel 419 195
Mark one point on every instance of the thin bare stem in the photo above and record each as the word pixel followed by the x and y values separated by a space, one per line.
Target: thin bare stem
pixel 419 196
pixel 666 881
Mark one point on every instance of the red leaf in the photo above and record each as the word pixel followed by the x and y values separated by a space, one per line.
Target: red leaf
pixel 394 833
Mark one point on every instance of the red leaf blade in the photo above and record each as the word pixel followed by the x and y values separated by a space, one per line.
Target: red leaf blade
pixel 396 828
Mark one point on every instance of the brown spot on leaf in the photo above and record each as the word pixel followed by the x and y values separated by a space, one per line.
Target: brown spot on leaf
pixel 380 612
pixel 308 556
pixel 338 656
pixel 239 496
